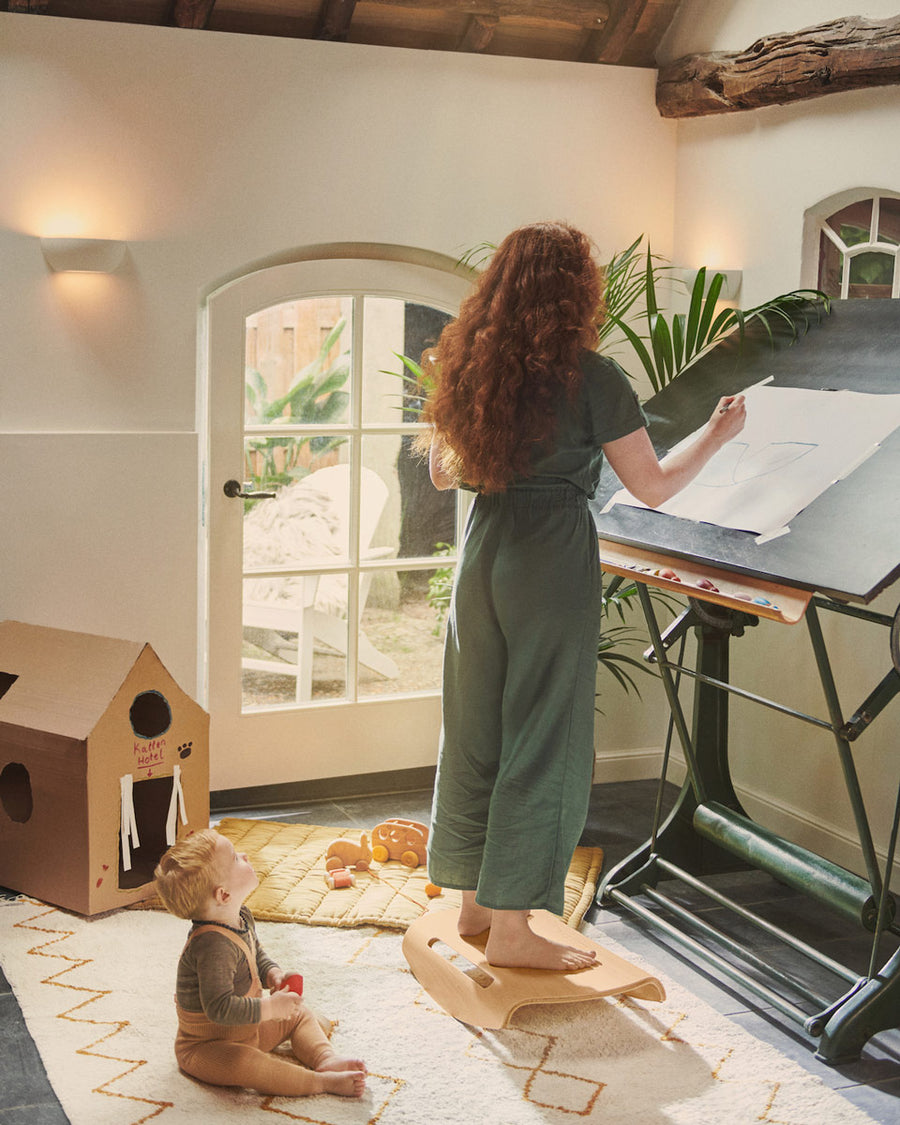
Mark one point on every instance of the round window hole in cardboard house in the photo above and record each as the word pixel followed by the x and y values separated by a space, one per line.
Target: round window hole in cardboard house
pixel 150 714
pixel 15 792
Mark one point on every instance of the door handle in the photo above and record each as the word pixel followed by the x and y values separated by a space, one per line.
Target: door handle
pixel 234 490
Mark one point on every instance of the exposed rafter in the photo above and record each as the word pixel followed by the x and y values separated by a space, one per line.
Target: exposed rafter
pixel 623 32
pixel 573 13
pixel 846 54
pixel 335 17
pixel 612 38
pixel 479 32
pixel 192 13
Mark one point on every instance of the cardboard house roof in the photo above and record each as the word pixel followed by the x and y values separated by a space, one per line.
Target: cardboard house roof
pixel 64 681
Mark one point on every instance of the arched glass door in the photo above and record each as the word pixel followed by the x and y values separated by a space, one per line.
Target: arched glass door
pixel 329 571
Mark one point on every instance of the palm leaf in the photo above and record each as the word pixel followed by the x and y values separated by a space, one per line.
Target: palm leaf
pixel 650 285
pixel 709 311
pixel 661 340
pixel 694 310
pixel 678 341
pixel 476 255
pixel 640 350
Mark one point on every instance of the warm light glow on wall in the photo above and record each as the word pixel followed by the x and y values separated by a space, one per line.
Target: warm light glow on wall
pixel 90 300
pixel 51 211
pixel 64 224
pixel 718 248
pixel 730 286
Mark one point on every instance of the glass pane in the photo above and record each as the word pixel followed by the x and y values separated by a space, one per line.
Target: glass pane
pixel 402 630
pixel 889 221
pixel 307 522
pixel 298 362
pixel 395 327
pixel 853 223
pixel 402 514
pixel 871 275
pixel 274 462
pixel 831 264
pixel 294 641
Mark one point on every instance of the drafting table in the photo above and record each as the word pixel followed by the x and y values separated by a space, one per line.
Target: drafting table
pixel 841 552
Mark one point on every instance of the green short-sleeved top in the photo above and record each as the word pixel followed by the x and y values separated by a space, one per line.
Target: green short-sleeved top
pixel 605 408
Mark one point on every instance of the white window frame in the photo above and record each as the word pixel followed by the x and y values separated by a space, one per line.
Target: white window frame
pixel 816 225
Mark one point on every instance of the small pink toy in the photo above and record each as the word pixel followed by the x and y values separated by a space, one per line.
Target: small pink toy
pixel 339 877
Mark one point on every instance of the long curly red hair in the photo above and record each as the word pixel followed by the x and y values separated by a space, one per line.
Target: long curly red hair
pixel 500 367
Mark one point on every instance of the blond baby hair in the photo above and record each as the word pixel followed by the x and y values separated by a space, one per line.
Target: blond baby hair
pixel 185 876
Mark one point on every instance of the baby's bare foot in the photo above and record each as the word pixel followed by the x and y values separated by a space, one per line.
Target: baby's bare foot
pixel 337 1062
pixel 346 1083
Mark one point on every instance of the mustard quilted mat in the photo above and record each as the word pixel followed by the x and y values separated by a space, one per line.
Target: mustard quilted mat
pixel 290 862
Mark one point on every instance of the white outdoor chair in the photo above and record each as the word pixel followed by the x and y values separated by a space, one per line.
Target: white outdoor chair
pixel 309 521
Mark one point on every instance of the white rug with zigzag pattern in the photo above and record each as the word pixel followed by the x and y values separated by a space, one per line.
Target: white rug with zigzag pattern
pixel 97 998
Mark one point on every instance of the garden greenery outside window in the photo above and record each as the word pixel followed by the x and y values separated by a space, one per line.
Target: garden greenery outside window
pixel 354 531
pixel 857 246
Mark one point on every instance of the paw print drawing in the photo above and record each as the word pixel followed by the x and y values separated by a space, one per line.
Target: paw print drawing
pixel 184 750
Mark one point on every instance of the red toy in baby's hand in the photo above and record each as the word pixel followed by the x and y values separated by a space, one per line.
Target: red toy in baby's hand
pixel 294 983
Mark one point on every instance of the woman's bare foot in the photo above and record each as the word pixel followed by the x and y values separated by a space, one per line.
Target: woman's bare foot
pixel 473 919
pixel 346 1083
pixel 512 944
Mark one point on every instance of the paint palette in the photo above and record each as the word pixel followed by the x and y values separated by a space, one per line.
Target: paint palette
pixel 712 584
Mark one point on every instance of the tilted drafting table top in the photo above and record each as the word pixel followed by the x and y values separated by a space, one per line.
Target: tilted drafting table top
pixel 846 544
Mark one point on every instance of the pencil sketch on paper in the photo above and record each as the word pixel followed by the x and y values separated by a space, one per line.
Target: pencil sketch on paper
pixel 740 462
pixel 795 444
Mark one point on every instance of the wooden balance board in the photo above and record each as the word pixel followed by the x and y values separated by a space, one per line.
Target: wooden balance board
pixel 471 990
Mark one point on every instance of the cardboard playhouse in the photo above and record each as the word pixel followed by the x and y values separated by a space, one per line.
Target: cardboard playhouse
pixel 104 762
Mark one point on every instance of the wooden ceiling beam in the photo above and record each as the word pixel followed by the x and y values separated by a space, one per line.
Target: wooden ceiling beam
pixel 582 14
pixel 845 54
pixel 479 33
pixel 631 32
pixel 610 39
pixel 335 17
pixel 192 13
pixel 618 31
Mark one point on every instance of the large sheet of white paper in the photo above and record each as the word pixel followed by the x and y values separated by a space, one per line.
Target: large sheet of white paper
pixel 795 444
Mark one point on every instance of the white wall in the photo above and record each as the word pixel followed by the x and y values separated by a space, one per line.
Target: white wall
pixel 210 154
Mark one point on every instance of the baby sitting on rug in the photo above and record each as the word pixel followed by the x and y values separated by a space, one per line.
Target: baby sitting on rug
pixel 227 1029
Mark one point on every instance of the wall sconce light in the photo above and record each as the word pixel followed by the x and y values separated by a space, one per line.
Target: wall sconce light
pixel 730 286
pixel 83 255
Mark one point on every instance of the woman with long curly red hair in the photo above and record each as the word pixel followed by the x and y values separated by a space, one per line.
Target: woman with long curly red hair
pixel 522 413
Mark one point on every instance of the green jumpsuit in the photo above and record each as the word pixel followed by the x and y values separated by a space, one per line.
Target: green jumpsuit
pixel 520 665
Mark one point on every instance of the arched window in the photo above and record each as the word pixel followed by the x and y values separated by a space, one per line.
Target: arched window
pixel 852 244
